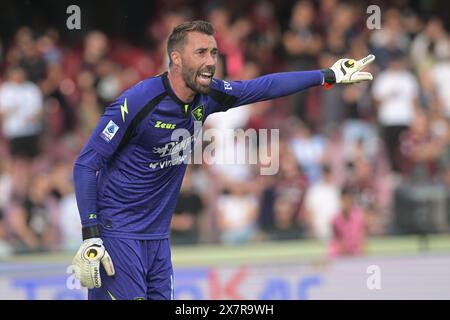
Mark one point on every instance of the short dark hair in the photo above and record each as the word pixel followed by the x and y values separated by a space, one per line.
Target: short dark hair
pixel 179 33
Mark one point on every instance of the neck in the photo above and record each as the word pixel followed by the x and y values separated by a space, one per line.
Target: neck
pixel 179 87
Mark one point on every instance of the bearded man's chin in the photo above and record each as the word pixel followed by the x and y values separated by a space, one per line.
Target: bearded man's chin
pixel 199 88
pixel 205 89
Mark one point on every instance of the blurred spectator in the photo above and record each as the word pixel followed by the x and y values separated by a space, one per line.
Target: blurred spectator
pixel 232 45
pixel 420 149
pixel 33 221
pixel 263 40
pixel 308 147
pixel 21 107
pixel 5 248
pixel 47 47
pixel 348 229
pixel 230 38
pixel 62 190
pixel 444 180
pixel 89 111
pixel 109 81
pixel 326 11
pixel 431 44
pixel 360 115
pixel 281 215
pixel 389 40
pixel 420 206
pixel 5 199
pixel 396 93
pixel 337 154
pixel 363 187
pixel 21 110
pixel 96 48
pixel 25 53
pixel 321 205
pixel 341 30
pixel 6 185
pixel 301 43
pixel 59 113
pixel 158 31
pixel 333 108
pixel 437 92
pixel 440 128
pixel 237 215
pixel 185 225
pixel 357 129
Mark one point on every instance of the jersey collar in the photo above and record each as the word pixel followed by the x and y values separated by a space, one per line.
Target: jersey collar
pixel 185 106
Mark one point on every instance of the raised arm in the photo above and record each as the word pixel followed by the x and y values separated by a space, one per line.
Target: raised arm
pixel 236 93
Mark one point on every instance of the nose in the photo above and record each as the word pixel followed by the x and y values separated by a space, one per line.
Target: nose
pixel 211 60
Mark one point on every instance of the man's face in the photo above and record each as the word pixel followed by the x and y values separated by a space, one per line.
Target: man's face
pixel 198 61
pixel 17 75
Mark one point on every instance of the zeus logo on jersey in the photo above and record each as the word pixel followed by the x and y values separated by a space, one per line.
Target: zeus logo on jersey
pixel 110 131
pixel 163 125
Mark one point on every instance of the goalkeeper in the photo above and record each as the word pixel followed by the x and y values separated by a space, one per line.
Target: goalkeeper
pixel 128 175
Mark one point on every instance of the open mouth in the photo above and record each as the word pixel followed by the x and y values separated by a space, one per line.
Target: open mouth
pixel 206 76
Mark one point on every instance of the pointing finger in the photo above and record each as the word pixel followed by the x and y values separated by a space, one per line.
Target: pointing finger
pixel 364 62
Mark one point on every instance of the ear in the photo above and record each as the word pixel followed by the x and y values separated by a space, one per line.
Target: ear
pixel 176 58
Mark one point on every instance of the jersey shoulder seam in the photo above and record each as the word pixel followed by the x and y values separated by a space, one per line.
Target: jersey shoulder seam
pixel 140 116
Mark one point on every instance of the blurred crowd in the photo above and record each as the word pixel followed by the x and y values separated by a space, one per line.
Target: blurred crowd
pixel 349 158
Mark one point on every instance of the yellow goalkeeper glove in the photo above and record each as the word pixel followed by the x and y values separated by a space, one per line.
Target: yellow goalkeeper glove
pixel 348 71
pixel 86 263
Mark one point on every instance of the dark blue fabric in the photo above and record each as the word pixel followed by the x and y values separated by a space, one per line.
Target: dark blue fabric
pixel 133 191
pixel 143 271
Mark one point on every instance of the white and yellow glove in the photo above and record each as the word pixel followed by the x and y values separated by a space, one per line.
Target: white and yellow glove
pixel 86 263
pixel 348 71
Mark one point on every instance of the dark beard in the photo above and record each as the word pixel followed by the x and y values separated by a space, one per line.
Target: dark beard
pixel 190 77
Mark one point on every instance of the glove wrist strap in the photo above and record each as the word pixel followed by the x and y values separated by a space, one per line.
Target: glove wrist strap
pixel 328 76
pixel 90 232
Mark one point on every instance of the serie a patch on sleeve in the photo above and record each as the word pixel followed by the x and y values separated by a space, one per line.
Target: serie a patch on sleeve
pixel 110 131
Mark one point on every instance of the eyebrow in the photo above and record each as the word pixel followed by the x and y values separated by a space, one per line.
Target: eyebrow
pixel 205 49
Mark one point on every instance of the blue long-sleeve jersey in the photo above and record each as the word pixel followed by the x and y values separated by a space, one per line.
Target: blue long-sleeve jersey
pixel 126 177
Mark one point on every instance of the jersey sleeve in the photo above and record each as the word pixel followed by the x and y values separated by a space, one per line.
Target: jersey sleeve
pixel 85 181
pixel 102 144
pixel 112 126
pixel 237 93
